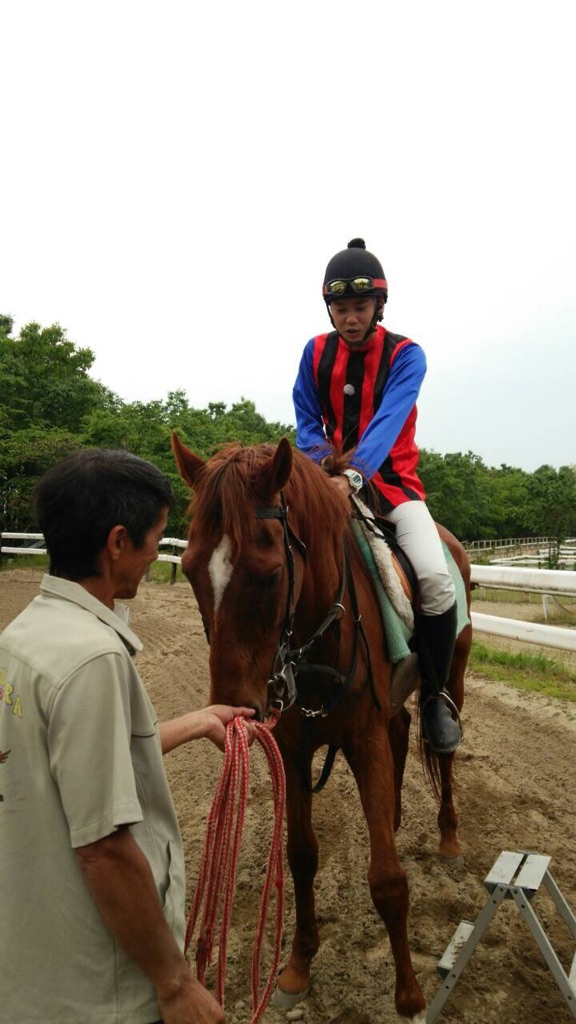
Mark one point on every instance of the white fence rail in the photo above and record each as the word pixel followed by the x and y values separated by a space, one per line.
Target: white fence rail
pixel 539 581
pixel 6 549
pixel 527 632
pixel 521 543
pixel 548 582
pixel 536 552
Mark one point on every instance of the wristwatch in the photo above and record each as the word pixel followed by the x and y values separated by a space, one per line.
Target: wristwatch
pixel 355 479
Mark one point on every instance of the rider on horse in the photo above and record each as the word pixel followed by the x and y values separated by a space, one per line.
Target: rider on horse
pixel 356 389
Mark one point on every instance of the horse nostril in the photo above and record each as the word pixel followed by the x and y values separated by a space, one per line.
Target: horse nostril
pixel 257 710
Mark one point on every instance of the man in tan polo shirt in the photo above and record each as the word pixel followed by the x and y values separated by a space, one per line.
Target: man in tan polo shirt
pixel 91 862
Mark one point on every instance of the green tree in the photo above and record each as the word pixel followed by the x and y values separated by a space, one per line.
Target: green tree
pixel 24 457
pixel 46 396
pixel 458 493
pixel 6 325
pixel 509 488
pixel 51 405
pixel 206 430
pixel 551 506
pixel 145 429
pixel 44 379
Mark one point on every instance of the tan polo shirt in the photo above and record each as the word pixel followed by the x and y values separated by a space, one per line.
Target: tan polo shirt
pixel 84 758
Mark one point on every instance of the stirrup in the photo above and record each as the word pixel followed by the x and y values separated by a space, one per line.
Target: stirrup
pixel 446 699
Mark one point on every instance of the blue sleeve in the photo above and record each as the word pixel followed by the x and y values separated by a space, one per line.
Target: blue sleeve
pixel 310 436
pixel 400 393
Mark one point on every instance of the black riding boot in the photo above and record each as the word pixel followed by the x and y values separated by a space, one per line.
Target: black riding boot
pixel 436 637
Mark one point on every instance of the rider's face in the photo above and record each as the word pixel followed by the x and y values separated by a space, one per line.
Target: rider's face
pixel 352 318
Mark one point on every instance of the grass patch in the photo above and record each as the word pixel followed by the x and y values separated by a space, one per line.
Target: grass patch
pixel 493 596
pixel 534 672
pixel 557 618
pixel 39 562
pixel 161 572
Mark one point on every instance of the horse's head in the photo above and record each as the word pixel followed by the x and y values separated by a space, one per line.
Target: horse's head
pixel 245 572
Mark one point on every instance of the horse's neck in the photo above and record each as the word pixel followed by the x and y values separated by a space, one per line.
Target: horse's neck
pixel 322 581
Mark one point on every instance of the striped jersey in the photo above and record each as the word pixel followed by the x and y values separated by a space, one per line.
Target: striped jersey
pixel 364 399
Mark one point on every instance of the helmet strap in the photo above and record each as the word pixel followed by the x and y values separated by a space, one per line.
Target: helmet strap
pixel 378 315
pixel 378 312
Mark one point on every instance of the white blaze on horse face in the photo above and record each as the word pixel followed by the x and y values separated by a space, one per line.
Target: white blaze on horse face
pixel 220 569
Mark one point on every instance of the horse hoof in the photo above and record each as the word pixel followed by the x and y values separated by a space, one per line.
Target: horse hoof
pixel 452 862
pixel 286 1000
pixel 454 865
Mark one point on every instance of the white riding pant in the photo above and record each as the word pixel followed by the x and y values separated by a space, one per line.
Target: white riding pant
pixel 417 535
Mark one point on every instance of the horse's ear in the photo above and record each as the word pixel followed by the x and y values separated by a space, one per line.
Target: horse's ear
pixel 189 464
pixel 276 473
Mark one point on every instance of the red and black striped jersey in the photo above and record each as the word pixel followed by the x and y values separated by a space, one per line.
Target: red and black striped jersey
pixel 364 399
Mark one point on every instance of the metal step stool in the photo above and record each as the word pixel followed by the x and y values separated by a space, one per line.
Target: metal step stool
pixel 516 876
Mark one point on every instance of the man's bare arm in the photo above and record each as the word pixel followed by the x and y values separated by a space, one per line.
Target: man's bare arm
pixel 207 722
pixel 122 886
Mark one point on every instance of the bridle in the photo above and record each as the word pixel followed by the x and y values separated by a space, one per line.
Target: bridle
pixel 282 682
pixel 288 661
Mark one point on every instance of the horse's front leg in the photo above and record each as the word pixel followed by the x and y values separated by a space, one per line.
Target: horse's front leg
pixel 302 849
pixel 371 762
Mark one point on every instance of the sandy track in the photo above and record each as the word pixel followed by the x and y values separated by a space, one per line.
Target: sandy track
pixel 515 774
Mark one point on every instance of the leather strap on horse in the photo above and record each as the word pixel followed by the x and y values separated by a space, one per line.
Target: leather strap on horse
pixel 306 763
pixel 330 705
pixel 219 861
pixel 345 681
pixel 288 662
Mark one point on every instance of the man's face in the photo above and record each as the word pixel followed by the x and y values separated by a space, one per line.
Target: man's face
pixel 133 562
pixel 352 318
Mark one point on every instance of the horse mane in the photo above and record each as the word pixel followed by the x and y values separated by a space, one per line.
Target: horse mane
pixel 318 508
pixel 228 491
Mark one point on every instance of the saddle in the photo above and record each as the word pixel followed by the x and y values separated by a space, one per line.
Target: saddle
pixel 377 541
pixel 395 585
pixel 396 588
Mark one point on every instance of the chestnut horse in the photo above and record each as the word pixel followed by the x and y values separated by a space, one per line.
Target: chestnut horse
pixel 293 623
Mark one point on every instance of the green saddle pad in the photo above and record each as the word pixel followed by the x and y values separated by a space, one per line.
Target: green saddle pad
pixel 398 635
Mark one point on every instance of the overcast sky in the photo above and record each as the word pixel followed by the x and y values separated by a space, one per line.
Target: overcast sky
pixel 176 175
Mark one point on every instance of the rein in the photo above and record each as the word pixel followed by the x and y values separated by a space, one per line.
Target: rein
pixel 215 889
pixel 288 662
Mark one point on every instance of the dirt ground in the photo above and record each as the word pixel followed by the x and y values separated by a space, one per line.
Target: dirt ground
pixel 516 791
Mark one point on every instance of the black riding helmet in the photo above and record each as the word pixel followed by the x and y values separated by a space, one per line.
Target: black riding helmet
pixel 353 272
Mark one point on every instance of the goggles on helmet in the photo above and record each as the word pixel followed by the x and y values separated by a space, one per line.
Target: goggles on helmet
pixel 359 285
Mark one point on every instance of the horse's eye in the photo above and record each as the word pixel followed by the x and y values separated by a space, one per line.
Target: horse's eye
pixel 269 582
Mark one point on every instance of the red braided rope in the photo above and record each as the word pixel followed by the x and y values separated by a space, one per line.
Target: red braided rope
pixel 219 861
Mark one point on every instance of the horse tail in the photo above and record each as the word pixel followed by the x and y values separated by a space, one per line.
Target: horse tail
pixel 431 761
pixel 431 764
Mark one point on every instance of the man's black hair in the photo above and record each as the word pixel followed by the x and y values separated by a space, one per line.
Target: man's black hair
pixel 79 500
